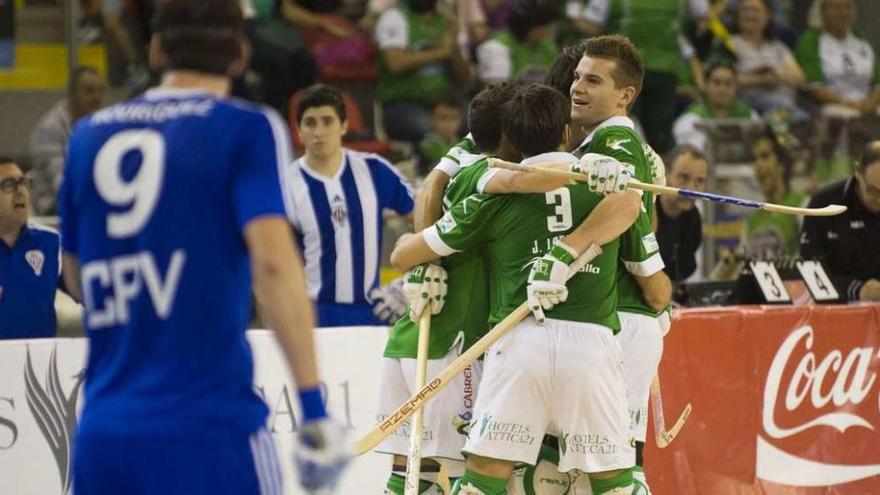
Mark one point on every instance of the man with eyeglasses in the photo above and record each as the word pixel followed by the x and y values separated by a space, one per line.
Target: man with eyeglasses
pixel 30 262
pixel 847 243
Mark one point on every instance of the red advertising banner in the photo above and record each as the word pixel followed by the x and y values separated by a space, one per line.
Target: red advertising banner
pixel 786 400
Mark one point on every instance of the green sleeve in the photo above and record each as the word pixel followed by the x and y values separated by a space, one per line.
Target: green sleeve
pixel 639 249
pixel 807 54
pixel 467 224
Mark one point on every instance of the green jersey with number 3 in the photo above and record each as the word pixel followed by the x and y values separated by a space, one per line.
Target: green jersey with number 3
pixel 639 251
pixel 466 311
pixel 518 229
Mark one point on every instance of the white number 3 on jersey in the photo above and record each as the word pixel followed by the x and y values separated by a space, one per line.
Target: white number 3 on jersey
pixel 140 193
pixel 561 219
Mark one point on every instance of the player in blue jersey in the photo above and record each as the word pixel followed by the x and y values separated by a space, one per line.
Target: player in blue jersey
pixel 172 206
pixel 339 196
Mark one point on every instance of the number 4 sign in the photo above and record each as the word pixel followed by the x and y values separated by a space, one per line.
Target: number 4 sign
pixel 770 282
pixel 817 281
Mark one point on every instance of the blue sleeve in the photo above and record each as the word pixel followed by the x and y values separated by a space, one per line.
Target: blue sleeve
pixel 394 190
pixel 66 207
pixel 260 187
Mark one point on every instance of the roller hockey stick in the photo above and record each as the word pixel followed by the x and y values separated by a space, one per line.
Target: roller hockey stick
pixel 445 377
pixel 540 168
pixel 663 436
pixel 414 458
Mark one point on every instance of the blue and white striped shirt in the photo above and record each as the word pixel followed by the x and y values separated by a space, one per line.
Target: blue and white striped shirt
pixel 338 222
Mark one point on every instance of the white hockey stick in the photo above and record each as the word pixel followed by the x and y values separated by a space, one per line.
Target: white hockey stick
pixel 417 427
pixel 663 436
pixel 541 168
pixel 418 400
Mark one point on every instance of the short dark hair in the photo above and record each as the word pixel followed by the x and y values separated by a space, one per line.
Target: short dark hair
pixel 560 75
pixel 200 35
pixel 529 14
pixel 449 99
pixel 320 95
pixel 535 118
pixel 870 155
pixel 77 73
pixel 711 67
pixel 682 150
pixel 484 115
pixel 629 71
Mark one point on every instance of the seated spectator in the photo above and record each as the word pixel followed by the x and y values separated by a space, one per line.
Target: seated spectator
pixel 339 196
pixel 840 66
pixel 446 121
pixel 719 102
pixel 679 225
pixel 847 243
pixel 418 60
pixel 477 19
pixel 30 262
pixel 85 92
pixel 107 14
pixel 336 42
pixel 768 73
pixel 278 54
pixel 526 49
pixel 768 234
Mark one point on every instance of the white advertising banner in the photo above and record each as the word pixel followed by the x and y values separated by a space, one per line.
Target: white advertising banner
pixel 40 394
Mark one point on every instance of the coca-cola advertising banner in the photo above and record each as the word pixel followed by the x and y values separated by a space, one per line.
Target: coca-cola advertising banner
pixel 786 400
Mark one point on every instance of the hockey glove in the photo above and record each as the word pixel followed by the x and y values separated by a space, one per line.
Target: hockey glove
pixel 425 284
pixel 605 175
pixel 389 301
pixel 546 287
pixel 321 455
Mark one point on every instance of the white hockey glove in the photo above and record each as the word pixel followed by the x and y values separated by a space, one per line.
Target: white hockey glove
pixel 658 168
pixel 425 284
pixel 321 455
pixel 389 301
pixel 547 279
pixel 605 175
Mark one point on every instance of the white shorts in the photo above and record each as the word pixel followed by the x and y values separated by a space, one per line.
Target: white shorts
pixel 642 343
pixel 563 378
pixel 446 416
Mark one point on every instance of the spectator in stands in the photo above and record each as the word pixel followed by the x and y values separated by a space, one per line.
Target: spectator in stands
pixel 847 243
pixel 767 71
pixel 85 91
pixel 653 26
pixel 30 262
pixel 526 49
pixel 719 102
pixel 679 225
pixel 338 46
pixel 418 60
pixel 840 65
pixel 108 15
pixel 339 196
pixel 446 120
pixel 768 234
pixel 278 54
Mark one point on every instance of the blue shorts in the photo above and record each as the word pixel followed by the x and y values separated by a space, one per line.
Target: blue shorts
pixel 142 466
pixel 346 315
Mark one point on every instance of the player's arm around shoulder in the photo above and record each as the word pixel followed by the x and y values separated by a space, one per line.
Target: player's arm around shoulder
pixel 613 216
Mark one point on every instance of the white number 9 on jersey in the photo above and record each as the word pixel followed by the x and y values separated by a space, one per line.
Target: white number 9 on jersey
pixel 140 193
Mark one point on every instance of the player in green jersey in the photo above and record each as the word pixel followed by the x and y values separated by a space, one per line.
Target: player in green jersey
pixel 607 80
pixel 575 347
pixel 463 318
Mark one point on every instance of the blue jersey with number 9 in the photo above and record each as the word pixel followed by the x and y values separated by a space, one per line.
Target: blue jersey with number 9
pixel 155 196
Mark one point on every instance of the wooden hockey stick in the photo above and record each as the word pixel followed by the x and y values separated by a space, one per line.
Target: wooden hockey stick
pixel 417 428
pixel 541 168
pixel 663 436
pixel 445 377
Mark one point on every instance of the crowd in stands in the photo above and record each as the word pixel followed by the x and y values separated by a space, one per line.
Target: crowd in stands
pixel 811 96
